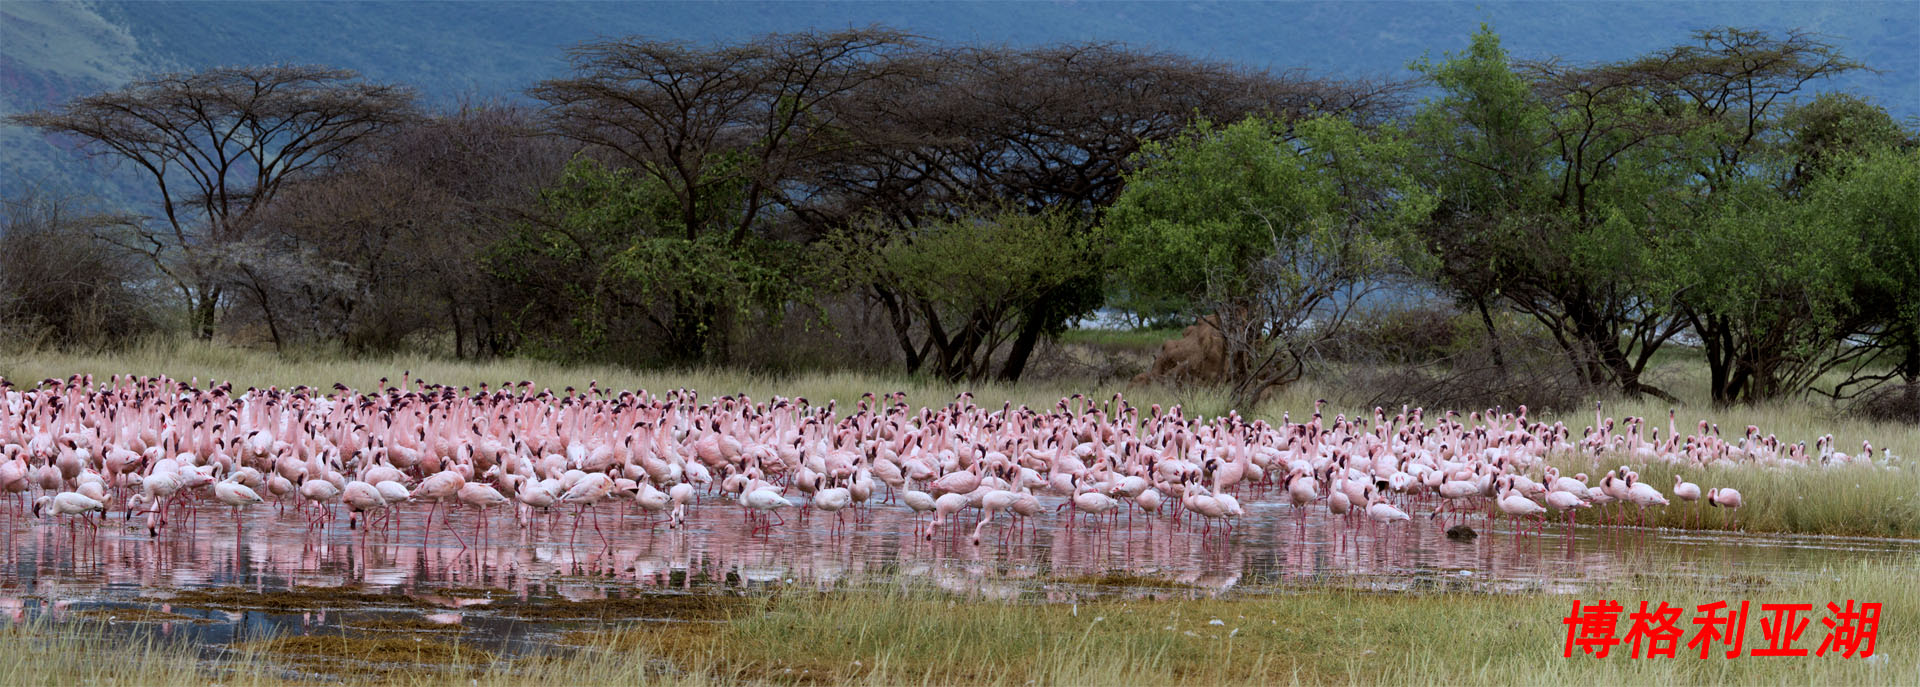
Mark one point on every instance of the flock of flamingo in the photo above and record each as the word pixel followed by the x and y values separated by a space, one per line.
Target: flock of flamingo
pixel 154 447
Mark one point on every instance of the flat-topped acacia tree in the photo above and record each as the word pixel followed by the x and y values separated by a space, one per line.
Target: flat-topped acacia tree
pixel 719 131
pixel 218 144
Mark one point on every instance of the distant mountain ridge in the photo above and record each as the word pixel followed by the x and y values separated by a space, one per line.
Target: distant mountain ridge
pixel 494 50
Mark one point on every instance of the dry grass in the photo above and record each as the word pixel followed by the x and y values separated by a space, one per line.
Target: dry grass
pixel 244 368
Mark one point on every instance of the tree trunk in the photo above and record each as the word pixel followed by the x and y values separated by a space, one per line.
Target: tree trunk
pixel 273 323
pixel 1719 358
pixel 459 332
pixel 902 330
pixel 1606 345
pixel 1493 335
pixel 1023 345
pixel 1910 369
pixel 203 312
pixel 687 340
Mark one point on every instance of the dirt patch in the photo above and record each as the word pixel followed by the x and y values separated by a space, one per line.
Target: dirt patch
pixel 137 615
pixel 642 607
pixel 1122 579
pixel 404 624
pixel 366 657
pixel 296 600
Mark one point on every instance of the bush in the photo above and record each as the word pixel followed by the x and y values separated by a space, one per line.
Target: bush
pixel 60 285
pixel 1890 403
pixel 1437 357
pixel 1401 336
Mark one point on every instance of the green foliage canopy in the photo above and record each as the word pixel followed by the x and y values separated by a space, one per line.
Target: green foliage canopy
pixel 1268 227
pixel 611 249
pixel 1220 213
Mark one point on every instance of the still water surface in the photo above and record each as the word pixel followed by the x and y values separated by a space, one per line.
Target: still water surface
pixel 478 591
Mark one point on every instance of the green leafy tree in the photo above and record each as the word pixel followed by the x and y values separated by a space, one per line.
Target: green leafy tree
pixel 1874 196
pixel 1486 158
pixel 1769 290
pixel 1278 232
pixel 974 282
pixel 612 250
pixel 1565 198
pixel 1834 128
pixel 1767 281
pixel 728 127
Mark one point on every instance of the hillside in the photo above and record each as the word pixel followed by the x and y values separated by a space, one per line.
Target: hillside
pixel 488 50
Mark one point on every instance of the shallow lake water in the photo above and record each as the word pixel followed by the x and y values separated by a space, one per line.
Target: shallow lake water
pixel 191 580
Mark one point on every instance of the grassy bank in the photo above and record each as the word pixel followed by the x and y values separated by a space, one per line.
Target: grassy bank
pixel 1857 501
pixel 927 637
pixel 190 359
pixel 1311 637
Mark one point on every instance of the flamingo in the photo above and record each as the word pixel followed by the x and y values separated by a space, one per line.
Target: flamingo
pixel 68 503
pixel 1642 494
pixel 1723 497
pixel 1512 502
pixel 944 506
pixel 1380 511
pixel 1684 490
pixel 479 497
pixel 1567 502
pixel 237 496
pixel 767 500
pixel 360 497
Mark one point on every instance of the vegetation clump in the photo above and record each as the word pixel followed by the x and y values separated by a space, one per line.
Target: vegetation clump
pixel 637 607
pixel 379 656
pixel 1124 580
pixel 137 615
pixel 296 600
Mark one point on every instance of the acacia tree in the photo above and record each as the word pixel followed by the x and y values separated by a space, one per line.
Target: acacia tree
pixel 1572 194
pixel 721 126
pixel 976 274
pixel 218 144
pixel 606 259
pixel 1769 289
pixel 1768 282
pixel 389 243
pixel 1278 231
pixel 1046 129
pixel 1726 96
pixel 1486 154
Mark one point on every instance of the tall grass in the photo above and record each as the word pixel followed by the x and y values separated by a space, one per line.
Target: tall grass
pixel 1146 341
pixel 1847 501
pixel 244 368
pixel 39 652
pixel 907 637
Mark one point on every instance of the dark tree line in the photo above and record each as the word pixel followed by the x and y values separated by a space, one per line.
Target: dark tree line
pixel 671 203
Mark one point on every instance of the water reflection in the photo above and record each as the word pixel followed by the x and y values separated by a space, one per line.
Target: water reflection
pixel 275 550
pixel 428 584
